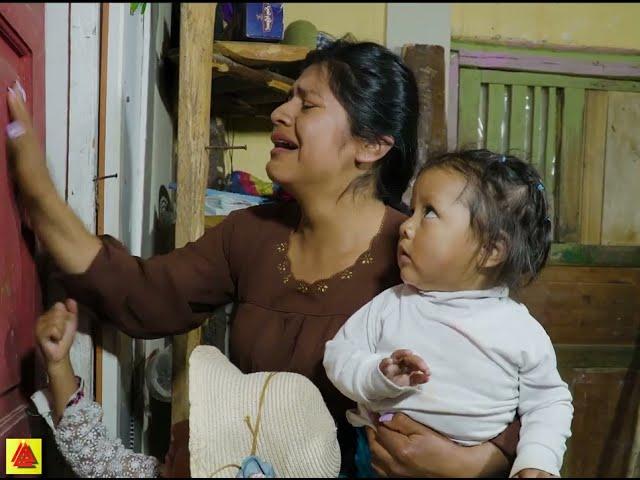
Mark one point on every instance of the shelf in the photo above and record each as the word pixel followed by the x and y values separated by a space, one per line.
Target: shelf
pixel 248 77
pixel 254 61
pixel 255 54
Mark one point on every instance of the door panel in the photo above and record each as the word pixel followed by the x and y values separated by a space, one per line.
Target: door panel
pixel 21 56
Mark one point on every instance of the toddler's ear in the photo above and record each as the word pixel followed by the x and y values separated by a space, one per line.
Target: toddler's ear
pixel 494 255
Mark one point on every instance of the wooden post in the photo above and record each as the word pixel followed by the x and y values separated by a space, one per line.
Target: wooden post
pixel 428 66
pixel 194 104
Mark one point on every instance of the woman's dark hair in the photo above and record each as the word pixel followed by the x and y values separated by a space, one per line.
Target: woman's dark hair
pixel 380 95
pixel 507 202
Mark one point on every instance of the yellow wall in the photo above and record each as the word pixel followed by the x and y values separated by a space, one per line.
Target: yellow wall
pixel 605 25
pixel 364 21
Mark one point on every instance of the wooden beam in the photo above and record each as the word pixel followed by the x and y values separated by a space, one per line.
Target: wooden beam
pixel 102 127
pixel 225 66
pixel 469 109
pixel 553 80
pixel 259 54
pixel 453 94
pixel 548 64
pixel 594 152
pixel 571 166
pixel 427 64
pixel 194 103
pixel 576 254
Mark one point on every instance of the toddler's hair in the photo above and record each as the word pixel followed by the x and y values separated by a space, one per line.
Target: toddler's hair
pixel 507 202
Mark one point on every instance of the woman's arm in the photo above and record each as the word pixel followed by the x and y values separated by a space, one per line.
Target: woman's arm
pixel 144 298
pixel 405 448
pixel 62 233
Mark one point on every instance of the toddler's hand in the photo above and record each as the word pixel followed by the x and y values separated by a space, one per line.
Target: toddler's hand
pixel 405 368
pixel 533 473
pixel 55 331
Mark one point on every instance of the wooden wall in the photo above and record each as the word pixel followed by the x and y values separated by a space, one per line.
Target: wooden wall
pixel 592 315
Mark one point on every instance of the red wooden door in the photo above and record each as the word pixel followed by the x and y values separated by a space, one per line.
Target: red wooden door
pixel 21 56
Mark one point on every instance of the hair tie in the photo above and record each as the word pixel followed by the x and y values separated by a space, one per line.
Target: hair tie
pixel 502 159
pixel 540 187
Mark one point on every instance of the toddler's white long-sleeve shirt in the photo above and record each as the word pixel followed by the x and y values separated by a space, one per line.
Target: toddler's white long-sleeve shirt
pixel 489 358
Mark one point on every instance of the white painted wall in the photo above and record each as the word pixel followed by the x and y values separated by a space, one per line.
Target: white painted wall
pixel 159 150
pixel 72 46
pixel 139 145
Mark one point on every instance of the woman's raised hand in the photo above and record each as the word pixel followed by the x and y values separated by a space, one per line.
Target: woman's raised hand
pixel 61 232
pixel 29 165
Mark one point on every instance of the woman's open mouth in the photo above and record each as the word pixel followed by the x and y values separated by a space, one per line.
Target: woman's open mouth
pixel 282 144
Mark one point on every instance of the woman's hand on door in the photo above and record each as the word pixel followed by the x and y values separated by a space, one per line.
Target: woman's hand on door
pixel 62 233
pixel 29 165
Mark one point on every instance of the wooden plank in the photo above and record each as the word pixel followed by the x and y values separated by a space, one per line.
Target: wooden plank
pixel 605 402
pixel 427 64
pixel 537 133
pixel 84 73
pixel 495 118
pixel 469 109
pixel 102 126
pixel 571 166
pixel 597 56
pixel 593 177
pixel 194 99
pixel 453 94
pixel 256 54
pixel 225 66
pixel 586 305
pixel 596 255
pixel 550 153
pixel 600 356
pixel 552 80
pixel 519 61
pixel 621 215
pixel 518 122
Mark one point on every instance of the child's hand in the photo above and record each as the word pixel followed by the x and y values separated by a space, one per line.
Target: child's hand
pixel 55 331
pixel 533 473
pixel 405 368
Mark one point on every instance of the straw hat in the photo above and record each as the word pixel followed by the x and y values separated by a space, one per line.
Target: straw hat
pixel 280 418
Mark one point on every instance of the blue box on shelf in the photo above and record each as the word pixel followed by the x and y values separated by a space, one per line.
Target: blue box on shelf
pixel 264 21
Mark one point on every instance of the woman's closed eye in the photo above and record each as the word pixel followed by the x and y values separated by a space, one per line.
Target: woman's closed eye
pixel 307 106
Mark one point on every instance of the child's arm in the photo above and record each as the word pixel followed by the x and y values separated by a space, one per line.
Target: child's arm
pixel 55 331
pixel 546 412
pixel 80 434
pixel 360 373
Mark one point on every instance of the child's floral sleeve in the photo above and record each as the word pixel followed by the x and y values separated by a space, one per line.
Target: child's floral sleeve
pixel 82 439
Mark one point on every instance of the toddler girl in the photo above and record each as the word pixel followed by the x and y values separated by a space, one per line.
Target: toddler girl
pixel 448 347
